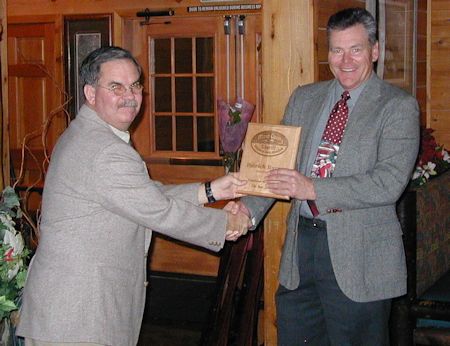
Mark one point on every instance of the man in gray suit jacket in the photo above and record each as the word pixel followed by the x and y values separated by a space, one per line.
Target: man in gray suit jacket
pixel 343 260
pixel 86 283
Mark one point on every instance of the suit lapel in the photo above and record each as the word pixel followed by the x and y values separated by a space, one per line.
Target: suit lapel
pixel 313 108
pixel 362 114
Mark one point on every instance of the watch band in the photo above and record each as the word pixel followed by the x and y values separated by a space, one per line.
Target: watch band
pixel 209 193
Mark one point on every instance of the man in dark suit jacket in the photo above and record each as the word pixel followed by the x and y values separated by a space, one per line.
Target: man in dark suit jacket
pixel 87 281
pixel 343 263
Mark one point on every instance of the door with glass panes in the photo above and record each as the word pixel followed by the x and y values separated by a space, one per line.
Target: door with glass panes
pixel 188 64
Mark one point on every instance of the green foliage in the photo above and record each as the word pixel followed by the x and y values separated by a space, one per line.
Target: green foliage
pixel 13 253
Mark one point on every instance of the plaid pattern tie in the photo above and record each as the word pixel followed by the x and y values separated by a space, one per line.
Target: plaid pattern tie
pixel 329 146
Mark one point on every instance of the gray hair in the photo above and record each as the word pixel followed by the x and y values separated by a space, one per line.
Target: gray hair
pixel 90 67
pixel 352 16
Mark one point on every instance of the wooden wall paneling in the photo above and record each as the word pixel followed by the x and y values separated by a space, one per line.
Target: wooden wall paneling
pixel 288 56
pixel 438 70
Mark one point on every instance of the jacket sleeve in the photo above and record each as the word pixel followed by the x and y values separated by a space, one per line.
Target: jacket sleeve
pixel 123 186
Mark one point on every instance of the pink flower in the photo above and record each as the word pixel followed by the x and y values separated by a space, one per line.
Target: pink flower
pixel 233 122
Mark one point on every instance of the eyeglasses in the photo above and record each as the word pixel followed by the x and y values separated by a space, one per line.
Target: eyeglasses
pixel 120 89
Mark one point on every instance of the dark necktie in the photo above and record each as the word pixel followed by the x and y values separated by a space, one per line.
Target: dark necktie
pixel 329 146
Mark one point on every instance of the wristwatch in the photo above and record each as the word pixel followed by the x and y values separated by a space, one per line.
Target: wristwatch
pixel 209 193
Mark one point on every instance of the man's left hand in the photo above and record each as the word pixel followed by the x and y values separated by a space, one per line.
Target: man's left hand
pixel 289 182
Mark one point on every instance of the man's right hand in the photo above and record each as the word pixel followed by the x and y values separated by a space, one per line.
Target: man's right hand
pixel 238 220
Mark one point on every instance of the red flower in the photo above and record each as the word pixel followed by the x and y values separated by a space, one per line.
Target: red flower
pixel 428 147
pixel 9 255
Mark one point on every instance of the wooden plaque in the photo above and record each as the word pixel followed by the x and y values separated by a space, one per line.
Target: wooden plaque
pixel 267 147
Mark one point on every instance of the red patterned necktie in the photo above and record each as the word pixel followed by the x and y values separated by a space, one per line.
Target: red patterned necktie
pixel 329 146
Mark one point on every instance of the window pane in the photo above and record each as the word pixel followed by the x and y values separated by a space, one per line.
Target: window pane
pixel 185 138
pixel 183 55
pixel 204 54
pixel 162 55
pixel 205 95
pixel 205 134
pixel 163 133
pixel 183 94
pixel 163 94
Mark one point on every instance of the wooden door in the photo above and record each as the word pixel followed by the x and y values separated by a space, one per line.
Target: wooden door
pixel 35 98
pixel 185 63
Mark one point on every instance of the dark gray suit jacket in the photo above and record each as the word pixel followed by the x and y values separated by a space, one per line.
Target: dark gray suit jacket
pixel 88 277
pixel 374 165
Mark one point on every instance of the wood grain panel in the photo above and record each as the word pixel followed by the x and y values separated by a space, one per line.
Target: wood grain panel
pixel 439 5
pixel 438 68
pixel 440 22
pixel 441 48
pixel 439 120
pixel 288 53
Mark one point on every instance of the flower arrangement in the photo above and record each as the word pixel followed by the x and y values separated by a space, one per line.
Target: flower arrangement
pixel 233 122
pixel 13 254
pixel 433 159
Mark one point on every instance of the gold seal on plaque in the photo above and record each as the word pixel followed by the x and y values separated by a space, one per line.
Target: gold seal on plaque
pixel 269 143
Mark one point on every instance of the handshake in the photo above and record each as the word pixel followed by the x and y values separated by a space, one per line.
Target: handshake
pixel 238 221
pixel 225 188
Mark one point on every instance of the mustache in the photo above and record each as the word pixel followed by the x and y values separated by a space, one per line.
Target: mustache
pixel 128 103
